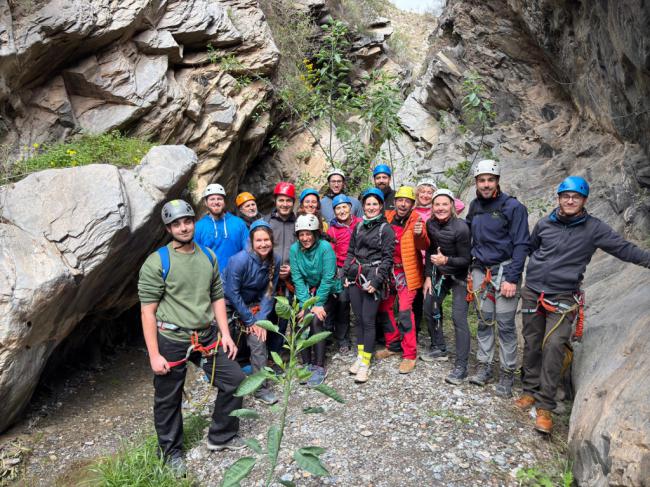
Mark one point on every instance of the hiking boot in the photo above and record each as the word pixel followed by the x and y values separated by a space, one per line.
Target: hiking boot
pixel 178 467
pixel 236 443
pixel 482 376
pixel 434 354
pixel 457 375
pixel 354 368
pixel 506 381
pixel 407 365
pixel 266 396
pixel 318 375
pixel 544 421
pixel 525 402
pixel 362 374
pixel 385 353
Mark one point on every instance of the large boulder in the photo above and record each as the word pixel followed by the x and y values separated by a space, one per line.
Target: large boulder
pixel 71 240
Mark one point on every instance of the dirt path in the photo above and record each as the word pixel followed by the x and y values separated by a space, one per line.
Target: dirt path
pixel 396 430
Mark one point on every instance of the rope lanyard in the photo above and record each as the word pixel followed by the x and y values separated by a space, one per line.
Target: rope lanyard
pixel 545 305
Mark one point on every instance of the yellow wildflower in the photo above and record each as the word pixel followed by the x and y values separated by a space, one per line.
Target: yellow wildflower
pixel 36 146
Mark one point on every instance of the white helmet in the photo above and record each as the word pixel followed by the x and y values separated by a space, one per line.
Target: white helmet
pixel 487 166
pixel 214 188
pixel 444 192
pixel 427 182
pixel 335 172
pixel 307 222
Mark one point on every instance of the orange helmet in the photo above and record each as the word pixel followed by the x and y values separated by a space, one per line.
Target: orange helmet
pixel 243 198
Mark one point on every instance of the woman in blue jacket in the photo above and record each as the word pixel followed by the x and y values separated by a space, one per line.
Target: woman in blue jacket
pixel 249 283
pixel 313 269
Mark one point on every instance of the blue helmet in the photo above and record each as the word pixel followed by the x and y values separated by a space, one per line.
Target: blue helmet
pixel 307 192
pixel 574 183
pixel 340 199
pixel 376 192
pixel 259 224
pixel 381 169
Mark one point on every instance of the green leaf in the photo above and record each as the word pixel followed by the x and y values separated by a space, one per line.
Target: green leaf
pixel 311 464
pixel 274 438
pixel 267 325
pixel 251 383
pixel 287 483
pixel 277 359
pixel 282 308
pixel 329 392
pixel 303 373
pixel 313 410
pixel 237 472
pixel 245 413
pixel 312 340
pixel 312 450
pixel 309 303
pixel 307 319
pixel 254 445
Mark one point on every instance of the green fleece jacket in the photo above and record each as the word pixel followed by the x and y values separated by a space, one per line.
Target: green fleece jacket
pixel 315 267
pixel 185 298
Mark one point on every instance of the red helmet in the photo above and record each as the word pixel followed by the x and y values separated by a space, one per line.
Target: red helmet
pixel 285 189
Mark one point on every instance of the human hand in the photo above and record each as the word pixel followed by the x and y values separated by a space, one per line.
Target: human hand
pixel 229 347
pixel 508 289
pixel 159 365
pixel 259 332
pixel 439 259
pixel 319 312
pixel 418 227
pixel 427 287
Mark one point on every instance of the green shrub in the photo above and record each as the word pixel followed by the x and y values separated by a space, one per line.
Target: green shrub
pixel 111 148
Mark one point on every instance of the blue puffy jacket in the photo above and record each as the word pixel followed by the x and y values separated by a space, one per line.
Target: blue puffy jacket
pixel 225 236
pixel 500 233
pixel 246 281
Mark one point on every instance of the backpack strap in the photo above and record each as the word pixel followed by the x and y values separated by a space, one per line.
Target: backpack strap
pixel 165 262
pixel 163 252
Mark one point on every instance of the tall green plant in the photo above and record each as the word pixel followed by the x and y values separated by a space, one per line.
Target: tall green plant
pixel 297 339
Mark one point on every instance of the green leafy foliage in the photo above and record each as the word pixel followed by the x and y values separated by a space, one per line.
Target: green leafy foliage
pixel 112 148
pixel 250 384
pixel 245 413
pixel 237 472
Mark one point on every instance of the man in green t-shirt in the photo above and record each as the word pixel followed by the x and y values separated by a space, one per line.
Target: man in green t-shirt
pixel 181 295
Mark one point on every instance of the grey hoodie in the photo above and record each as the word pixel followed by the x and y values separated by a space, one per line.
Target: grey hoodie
pixel 562 248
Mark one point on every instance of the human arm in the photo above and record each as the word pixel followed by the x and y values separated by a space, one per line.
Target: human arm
pixel 463 257
pixel 387 250
pixel 158 363
pixel 327 284
pixel 520 238
pixel 236 273
pixel 614 244
pixel 220 315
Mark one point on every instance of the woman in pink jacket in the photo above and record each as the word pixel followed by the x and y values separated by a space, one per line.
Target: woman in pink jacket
pixel 340 231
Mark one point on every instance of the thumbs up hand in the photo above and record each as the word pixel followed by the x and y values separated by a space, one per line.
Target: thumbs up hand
pixel 418 227
pixel 439 259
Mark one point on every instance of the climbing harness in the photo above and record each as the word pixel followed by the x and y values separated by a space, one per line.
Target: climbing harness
pixel 487 290
pixel 545 305
pixel 239 325
pixel 195 346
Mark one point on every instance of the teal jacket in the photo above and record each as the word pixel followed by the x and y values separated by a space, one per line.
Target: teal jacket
pixel 313 268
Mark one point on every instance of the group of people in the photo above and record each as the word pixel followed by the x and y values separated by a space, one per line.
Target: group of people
pixel 391 257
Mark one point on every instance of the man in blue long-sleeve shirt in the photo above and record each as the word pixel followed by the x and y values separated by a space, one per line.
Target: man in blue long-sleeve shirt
pixel 562 246
pixel 500 244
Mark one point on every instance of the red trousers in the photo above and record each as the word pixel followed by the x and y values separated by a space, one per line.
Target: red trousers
pixel 400 336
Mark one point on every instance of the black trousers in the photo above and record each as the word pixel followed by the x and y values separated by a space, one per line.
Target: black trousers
pixel 365 308
pixel 168 395
pixel 315 354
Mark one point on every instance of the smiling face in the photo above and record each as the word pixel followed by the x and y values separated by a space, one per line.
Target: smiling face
pixel 216 205
pixel 382 181
pixel 342 212
pixel 442 208
pixel 425 195
pixel 261 242
pixel 249 208
pixel 310 204
pixel 571 203
pixel 336 183
pixel 371 207
pixel 182 230
pixel 403 206
pixel 486 185
pixel 306 238
pixel 284 205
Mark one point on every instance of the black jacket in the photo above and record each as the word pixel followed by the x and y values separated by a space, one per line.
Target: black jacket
pixel 372 242
pixel 563 248
pixel 284 234
pixel 389 199
pixel 453 238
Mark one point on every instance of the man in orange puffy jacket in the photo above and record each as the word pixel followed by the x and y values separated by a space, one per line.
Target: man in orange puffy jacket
pixel 408 272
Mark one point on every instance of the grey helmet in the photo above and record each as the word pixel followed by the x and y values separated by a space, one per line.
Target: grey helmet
pixel 175 209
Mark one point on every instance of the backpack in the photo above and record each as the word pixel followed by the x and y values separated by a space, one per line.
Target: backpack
pixel 163 252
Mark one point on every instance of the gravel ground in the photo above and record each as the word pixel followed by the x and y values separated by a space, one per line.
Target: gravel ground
pixel 396 430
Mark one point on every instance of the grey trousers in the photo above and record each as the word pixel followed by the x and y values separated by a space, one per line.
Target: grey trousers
pixel 496 319
pixel 258 357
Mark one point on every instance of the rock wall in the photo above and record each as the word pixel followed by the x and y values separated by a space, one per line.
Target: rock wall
pixel 70 240
pixel 544 131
